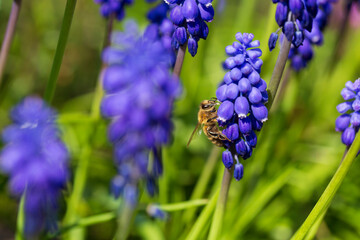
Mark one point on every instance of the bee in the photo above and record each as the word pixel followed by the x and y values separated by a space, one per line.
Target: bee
pixel 207 120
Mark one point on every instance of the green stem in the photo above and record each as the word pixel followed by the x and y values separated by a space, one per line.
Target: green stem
pixel 217 221
pixel 203 218
pixel 60 49
pixel 330 191
pixel 20 220
pixel 9 35
pixel 100 218
pixel 278 71
pixel 183 205
pixel 203 181
pixel 124 222
pixel 71 215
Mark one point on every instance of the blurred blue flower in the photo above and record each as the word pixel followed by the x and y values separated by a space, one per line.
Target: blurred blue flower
pixel 116 7
pixel 190 16
pixel 300 55
pixel 161 28
pixel 36 161
pixel 348 123
pixel 140 91
pixel 156 212
pixel 243 95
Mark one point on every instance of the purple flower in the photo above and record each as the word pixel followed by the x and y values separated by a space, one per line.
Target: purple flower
pixel 161 29
pixel 242 94
pixel 36 161
pixel 139 103
pixel 192 16
pixel 300 18
pixel 115 7
pixel 301 51
pixel 349 121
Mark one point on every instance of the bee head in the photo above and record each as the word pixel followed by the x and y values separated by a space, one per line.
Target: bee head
pixel 207 104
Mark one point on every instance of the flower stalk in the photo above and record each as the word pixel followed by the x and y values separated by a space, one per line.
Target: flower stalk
pixel 278 71
pixel 216 225
pixel 60 49
pixel 179 60
pixel 324 202
pixel 9 35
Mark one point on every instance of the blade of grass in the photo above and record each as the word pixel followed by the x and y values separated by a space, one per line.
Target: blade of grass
pixel 325 200
pixel 60 49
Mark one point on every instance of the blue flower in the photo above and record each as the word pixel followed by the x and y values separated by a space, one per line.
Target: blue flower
pixel 348 123
pixel 300 55
pixel 116 7
pixel 294 17
pixel 162 29
pixel 36 161
pixel 243 95
pixel 140 91
pixel 190 16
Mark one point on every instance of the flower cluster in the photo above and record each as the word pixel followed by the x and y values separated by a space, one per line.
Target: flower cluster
pixel 139 96
pixel 293 17
pixel 302 55
pixel 190 17
pixel 36 160
pixel 243 95
pixel 348 123
pixel 116 7
pixel 161 28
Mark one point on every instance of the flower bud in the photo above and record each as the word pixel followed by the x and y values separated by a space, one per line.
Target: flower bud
pixel 296 7
pixel 289 30
pixel 190 10
pixel 176 16
pixel 225 111
pixel 260 112
pixel 221 93
pixel 232 91
pixel 281 13
pixel 193 46
pixel 238 171
pixel 181 35
pixel 235 74
pixel 244 85
pixel 298 38
pixel 206 12
pixel 348 136
pixel 342 122
pixel 242 107
pixel 245 125
pixel 355 119
pixel 255 95
pixel 272 41
pixel 227 159
pixel 232 132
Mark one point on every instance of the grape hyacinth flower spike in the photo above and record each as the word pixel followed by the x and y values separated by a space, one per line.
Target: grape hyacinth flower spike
pixel 349 121
pixel 300 56
pixel 189 18
pixel 293 18
pixel 140 91
pixel 243 95
pixel 36 161
pixel 113 7
pixel 161 28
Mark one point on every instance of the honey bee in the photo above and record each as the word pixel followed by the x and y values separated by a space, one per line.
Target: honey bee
pixel 207 120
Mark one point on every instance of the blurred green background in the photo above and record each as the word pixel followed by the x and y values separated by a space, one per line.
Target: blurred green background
pixel 297 153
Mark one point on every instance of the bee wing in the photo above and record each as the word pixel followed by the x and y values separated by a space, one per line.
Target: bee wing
pixel 193 133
